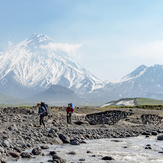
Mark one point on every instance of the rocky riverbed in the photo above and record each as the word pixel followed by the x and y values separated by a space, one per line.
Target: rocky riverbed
pixel 19 130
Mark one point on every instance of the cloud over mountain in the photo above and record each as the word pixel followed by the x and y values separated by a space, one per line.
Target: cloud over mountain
pixel 70 49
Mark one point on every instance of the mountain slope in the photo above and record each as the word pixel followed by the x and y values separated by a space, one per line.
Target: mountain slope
pixel 133 101
pixel 31 67
pixel 57 95
pixel 4 99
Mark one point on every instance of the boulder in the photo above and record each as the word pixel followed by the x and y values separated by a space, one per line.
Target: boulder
pixel 56 140
pixel 52 153
pixel 160 137
pixel 146 133
pixel 58 159
pixel 64 138
pixel 17 149
pixel 74 142
pixel 36 151
pixel 14 154
pixel 44 147
pixel 107 158
pixel 25 155
pixel 154 133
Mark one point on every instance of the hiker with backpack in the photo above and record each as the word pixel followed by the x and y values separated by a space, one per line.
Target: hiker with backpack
pixel 69 110
pixel 42 113
pixel 46 108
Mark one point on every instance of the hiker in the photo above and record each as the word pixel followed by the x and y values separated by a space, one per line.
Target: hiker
pixel 69 111
pixel 45 107
pixel 42 113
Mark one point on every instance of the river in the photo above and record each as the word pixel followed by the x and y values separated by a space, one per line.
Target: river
pixel 123 150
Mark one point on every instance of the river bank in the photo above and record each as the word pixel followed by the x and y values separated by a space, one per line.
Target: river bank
pixel 19 131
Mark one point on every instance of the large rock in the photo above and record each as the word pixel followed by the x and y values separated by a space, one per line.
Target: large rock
pixel 107 158
pixel 36 151
pixel 58 159
pixel 160 137
pixel 14 154
pixel 64 138
pixel 44 147
pixel 18 149
pixel 25 155
pixel 56 140
pixel 74 142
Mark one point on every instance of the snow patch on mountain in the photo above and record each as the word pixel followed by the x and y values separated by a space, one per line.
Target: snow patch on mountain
pixel 135 74
pixel 121 103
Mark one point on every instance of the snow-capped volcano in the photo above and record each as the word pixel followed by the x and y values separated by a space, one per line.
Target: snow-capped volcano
pixel 32 65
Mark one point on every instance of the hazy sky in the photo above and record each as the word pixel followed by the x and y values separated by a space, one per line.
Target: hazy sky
pixel 112 37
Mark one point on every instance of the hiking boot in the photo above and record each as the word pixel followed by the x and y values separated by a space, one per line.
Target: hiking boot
pixel 45 127
pixel 39 127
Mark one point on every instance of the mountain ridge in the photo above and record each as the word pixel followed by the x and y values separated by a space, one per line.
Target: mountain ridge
pixel 30 67
pixel 146 82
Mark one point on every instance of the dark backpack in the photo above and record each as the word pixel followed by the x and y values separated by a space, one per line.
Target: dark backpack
pixel 46 108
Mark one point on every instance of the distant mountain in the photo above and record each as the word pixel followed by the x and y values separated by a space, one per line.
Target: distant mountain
pixel 57 95
pixel 4 99
pixel 143 82
pixel 31 66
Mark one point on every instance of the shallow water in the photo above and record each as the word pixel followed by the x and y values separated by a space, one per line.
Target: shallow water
pixel 134 153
